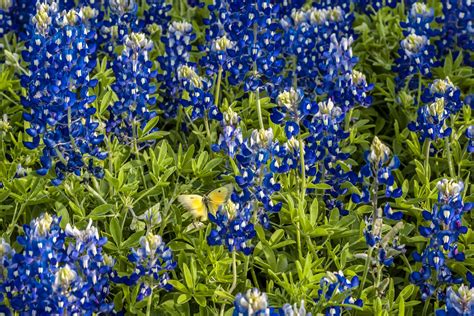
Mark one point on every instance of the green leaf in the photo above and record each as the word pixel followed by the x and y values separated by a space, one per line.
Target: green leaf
pixel 151 123
pixel 314 212
pixel 178 286
pixel 277 236
pixel 401 307
pixel 201 300
pixel 406 293
pixel 319 186
pixel 100 212
pixel 116 231
pixel 132 240
pixel 183 298
pixel 188 278
pixel 153 136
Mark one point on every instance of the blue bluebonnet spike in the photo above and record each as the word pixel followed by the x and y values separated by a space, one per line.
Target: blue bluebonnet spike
pixel 444 229
pixel 74 272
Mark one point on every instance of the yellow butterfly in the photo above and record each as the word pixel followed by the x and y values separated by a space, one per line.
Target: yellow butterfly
pixel 199 205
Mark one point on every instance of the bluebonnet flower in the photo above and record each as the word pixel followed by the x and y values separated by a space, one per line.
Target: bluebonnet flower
pixel 96 267
pixel 198 93
pixel 387 246
pixel 416 55
pixel 153 261
pixel 177 43
pixel 379 166
pixel 286 156
pixel 318 42
pixel 231 137
pixel 323 152
pixel 334 284
pixel 150 219
pixel 375 173
pixel 299 48
pixel 253 303
pixel 444 88
pixel 6 254
pixel 133 88
pixel 234 227
pixel 256 179
pixel 123 17
pixel 307 40
pixel 294 310
pixel 338 62
pixel 58 275
pixel 57 100
pixel 456 29
pixel 20 171
pixel 6 21
pixel 296 107
pixel 22 11
pixel 250 30
pixel 157 13
pixel 418 21
pixel 334 18
pixel 96 4
pixel 431 121
pixel 459 302
pixel 327 130
pixel 353 89
pixel 93 19
pixel 443 232
pixel 470 137
pixel 219 54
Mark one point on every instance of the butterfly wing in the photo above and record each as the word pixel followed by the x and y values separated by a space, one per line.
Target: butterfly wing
pixel 218 197
pixel 195 204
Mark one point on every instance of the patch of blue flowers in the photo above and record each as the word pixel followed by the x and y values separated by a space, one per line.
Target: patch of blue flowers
pixel 58 103
pixel 57 271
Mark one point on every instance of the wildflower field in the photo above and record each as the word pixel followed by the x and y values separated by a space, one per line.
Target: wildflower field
pixel 235 157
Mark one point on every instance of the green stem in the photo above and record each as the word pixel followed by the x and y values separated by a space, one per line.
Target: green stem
pixel 426 306
pixel 111 165
pixel 366 269
pixel 234 278
pixel 60 156
pixel 303 172
pixel 234 272
pixel 427 163
pixel 450 159
pixel 298 241
pixel 348 121
pixel 259 110
pixel 311 246
pixel 208 129
pixel 254 277
pixel 218 87
pixel 179 118
pixel 16 215
pixel 148 305
pixel 379 278
pixel 2 145
pixel 95 193
pixel 137 153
